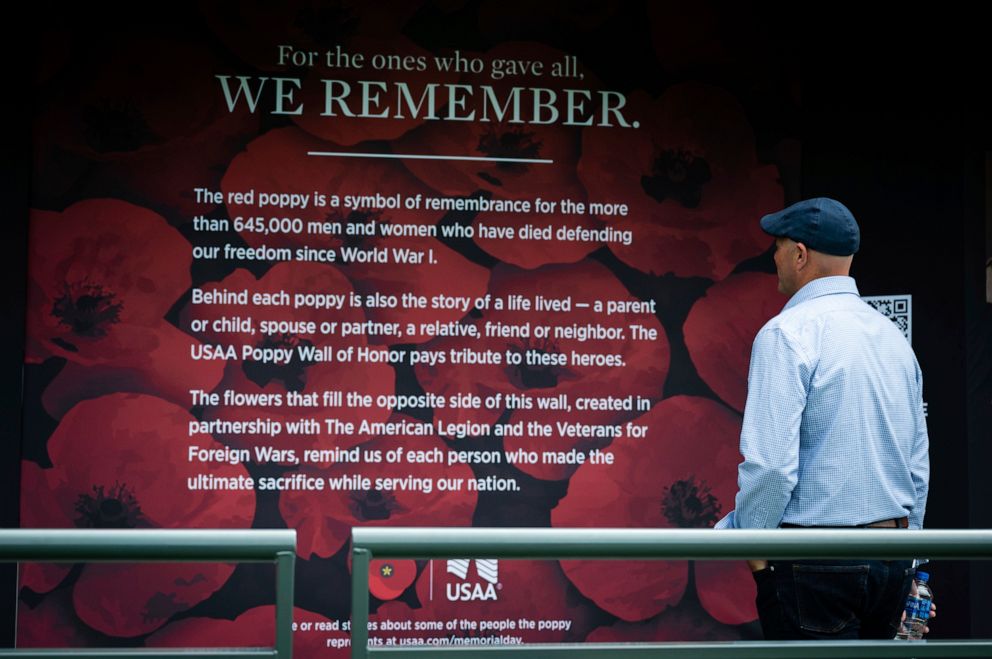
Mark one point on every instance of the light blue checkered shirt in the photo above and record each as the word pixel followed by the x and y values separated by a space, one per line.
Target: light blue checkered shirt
pixel 834 432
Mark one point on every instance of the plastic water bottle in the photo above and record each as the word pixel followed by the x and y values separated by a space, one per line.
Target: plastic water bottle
pixel 906 626
pixel 917 609
pixel 922 612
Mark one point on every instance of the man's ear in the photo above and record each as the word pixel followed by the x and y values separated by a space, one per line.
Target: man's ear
pixel 801 256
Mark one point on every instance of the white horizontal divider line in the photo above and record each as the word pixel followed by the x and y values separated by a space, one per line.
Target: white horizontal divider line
pixel 417 156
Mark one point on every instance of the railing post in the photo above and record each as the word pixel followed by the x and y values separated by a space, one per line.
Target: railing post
pixel 360 559
pixel 285 569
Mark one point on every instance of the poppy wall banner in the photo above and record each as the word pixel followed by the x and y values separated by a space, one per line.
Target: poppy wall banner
pixel 417 264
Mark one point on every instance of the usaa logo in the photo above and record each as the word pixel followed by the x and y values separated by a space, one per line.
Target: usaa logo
pixel 487 571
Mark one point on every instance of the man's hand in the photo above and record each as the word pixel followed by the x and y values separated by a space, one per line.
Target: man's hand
pixel 757 565
pixel 933 607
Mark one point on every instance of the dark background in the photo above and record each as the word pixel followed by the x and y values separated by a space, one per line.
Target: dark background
pixel 893 122
pixel 896 125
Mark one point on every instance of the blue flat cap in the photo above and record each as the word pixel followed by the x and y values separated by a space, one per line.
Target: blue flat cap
pixel 822 224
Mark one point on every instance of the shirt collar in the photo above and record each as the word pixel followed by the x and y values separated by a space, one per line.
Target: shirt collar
pixel 823 286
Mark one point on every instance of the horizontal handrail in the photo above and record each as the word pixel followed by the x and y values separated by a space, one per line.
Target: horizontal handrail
pixel 173 545
pixel 662 544
pixel 447 542
pixel 162 545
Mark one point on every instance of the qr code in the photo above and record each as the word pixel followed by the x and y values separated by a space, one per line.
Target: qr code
pixel 898 308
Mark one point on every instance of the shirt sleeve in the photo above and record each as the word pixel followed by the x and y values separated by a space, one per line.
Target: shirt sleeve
pixel 920 462
pixel 777 386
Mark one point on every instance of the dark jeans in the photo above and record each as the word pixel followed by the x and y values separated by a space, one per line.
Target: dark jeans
pixel 832 599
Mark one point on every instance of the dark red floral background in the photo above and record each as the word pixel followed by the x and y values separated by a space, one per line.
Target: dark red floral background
pixel 128 122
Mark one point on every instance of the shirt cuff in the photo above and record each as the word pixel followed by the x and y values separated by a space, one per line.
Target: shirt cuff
pixel 727 522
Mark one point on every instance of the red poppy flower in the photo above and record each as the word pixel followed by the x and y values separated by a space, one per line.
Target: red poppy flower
pixel 494 592
pixel 154 361
pixel 442 272
pixel 727 591
pixel 252 629
pixel 102 274
pixel 42 577
pixel 721 327
pixel 682 474
pixel 690 178
pixel 315 383
pixel 496 137
pixel 683 623
pixel 389 578
pixel 121 128
pixel 550 374
pixel 117 466
pixel 380 491
pixel 505 179
pixel 52 623
pixel 100 264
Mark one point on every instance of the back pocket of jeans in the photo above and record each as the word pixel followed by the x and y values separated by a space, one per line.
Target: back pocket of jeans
pixel 829 597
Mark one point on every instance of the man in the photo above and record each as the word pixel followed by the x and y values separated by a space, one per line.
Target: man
pixel 833 434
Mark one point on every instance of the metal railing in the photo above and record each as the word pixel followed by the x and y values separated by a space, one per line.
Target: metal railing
pixel 164 546
pixel 528 543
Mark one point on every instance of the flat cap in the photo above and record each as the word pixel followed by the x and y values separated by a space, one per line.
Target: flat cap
pixel 822 224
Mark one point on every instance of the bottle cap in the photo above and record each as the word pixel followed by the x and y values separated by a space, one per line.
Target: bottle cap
pixel 922 576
